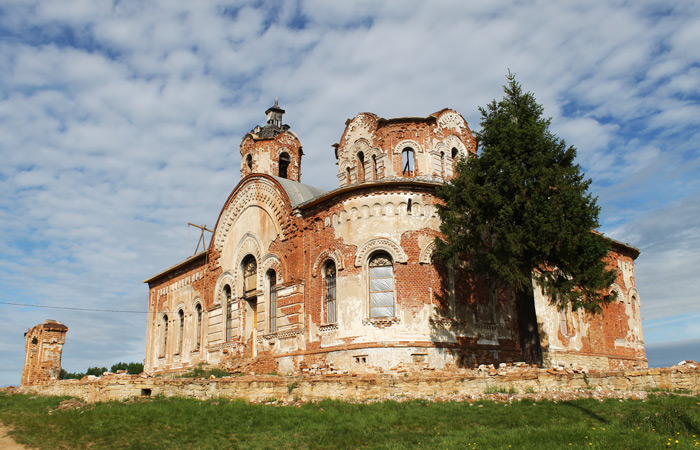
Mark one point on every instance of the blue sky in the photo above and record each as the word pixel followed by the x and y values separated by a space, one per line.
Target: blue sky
pixel 121 121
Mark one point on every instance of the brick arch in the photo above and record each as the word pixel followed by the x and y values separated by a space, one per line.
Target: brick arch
pixel 263 194
pixel 224 278
pixel 408 143
pixel 426 254
pixel 272 261
pixel 453 141
pixel 620 296
pixel 324 256
pixel 248 245
pixel 389 246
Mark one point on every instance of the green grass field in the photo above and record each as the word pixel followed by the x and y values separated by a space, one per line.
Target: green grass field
pixel 663 421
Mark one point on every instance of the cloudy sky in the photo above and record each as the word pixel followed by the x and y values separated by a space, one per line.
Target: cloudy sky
pixel 120 122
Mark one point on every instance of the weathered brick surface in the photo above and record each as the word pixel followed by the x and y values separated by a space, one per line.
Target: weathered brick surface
pixel 43 346
pixel 448 320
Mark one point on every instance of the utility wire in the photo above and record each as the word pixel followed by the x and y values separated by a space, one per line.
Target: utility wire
pixel 76 309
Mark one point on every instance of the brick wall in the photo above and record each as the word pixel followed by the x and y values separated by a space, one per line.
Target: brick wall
pixel 43 345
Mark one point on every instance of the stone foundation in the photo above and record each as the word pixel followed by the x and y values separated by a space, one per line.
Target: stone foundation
pixel 430 385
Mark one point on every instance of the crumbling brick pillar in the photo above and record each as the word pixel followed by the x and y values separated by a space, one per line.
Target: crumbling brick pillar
pixel 43 345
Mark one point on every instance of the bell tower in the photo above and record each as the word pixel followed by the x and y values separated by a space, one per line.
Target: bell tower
pixel 272 149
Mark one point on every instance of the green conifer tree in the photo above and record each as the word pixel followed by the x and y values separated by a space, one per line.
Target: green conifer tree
pixel 521 211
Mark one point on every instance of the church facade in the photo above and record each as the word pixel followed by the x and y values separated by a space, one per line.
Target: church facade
pixel 300 276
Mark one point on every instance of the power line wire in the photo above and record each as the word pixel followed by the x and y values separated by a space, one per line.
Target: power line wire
pixel 76 309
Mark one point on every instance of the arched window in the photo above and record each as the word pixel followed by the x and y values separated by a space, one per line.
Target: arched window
pixel 455 153
pixel 181 332
pixel 381 285
pixel 563 325
pixel 164 336
pixel 348 179
pixel 272 292
pixel 250 277
pixel 284 165
pixel 198 312
pixel 329 292
pixel 228 304
pixel 374 168
pixel 408 162
pixel 360 167
pixel 249 162
pixel 442 164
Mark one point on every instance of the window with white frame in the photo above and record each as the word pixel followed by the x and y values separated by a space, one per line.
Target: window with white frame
pixel 272 292
pixel 329 291
pixel 381 285
pixel 198 331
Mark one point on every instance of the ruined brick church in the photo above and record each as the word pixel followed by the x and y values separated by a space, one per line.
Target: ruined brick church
pixel 298 275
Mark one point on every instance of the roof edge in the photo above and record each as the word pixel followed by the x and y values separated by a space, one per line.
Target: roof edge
pixel 200 255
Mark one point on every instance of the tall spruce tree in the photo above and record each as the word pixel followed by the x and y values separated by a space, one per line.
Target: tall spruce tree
pixel 521 211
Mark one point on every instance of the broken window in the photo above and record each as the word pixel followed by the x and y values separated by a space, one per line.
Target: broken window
pixel 164 336
pixel 228 304
pixel 408 162
pixel 329 279
pixel 442 164
pixel 198 310
pixel 250 277
pixel 360 167
pixel 249 162
pixel 381 285
pixel 284 165
pixel 181 333
pixel 272 287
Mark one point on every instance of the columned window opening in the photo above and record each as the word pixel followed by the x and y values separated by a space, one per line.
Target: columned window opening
pixel 381 285
pixel 250 277
pixel 284 165
pixel 348 179
pixel 409 162
pixel 360 167
pixel 249 162
pixel 164 336
pixel 181 332
pixel 329 291
pixel 198 312
pixel 375 176
pixel 272 289
pixel 249 268
pixel 228 304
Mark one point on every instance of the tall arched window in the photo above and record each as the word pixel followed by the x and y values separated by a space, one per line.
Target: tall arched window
pixel 381 285
pixel 374 168
pixel 164 336
pixel 272 292
pixel 442 164
pixel 329 292
pixel 228 304
pixel 360 167
pixel 181 331
pixel 198 332
pixel 284 165
pixel 348 179
pixel 408 162
pixel 249 162
pixel 250 276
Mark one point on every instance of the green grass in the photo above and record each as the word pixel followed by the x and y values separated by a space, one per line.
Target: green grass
pixel 176 423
